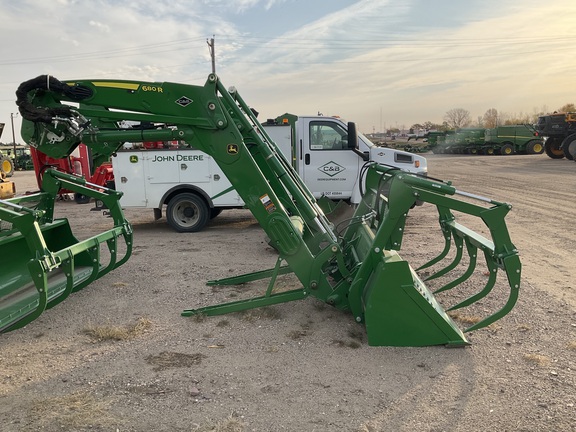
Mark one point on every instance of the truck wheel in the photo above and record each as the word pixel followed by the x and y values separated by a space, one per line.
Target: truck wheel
pixel 81 198
pixel 187 212
pixel 507 149
pixel 6 166
pixel 552 148
pixel 534 147
pixel 214 212
pixel 569 146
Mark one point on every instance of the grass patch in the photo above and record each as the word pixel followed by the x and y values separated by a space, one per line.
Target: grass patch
pixel 230 424
pixel 297 334
pixel 199 317
pixel 319 305
pixel 223 323
pixel 464 319
pixel 346 344
pixel 169 359
pixel 118 333
pixel 75 411
pixel 572 346
pixel 537 359
pixel 252 315
pixel 356 333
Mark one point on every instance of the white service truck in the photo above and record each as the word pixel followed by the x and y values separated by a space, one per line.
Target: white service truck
pixel 194 189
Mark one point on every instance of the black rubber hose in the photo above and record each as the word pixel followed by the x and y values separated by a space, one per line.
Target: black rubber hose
pixel 47 83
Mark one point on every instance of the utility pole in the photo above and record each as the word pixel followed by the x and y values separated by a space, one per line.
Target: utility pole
pixel 12 115
pixel 210 43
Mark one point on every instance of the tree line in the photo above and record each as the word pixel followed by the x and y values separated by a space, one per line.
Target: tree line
pixel 457 118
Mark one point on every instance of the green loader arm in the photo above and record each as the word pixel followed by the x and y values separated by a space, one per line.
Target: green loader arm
pixel 356 267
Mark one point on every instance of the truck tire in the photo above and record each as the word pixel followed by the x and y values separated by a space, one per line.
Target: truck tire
pixel 187 212
pixel 569 146
pixel 552 148
pixel 214 212
pixel 81 198
pixel 507 149
pixel 6 166
pixel 534 147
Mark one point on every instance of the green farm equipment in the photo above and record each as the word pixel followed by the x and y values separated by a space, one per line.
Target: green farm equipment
pixel 559 129
pixel 43 263
pixel 354 266
pixel 511 139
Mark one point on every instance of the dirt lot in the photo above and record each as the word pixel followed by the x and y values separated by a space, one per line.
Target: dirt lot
pixel 300 366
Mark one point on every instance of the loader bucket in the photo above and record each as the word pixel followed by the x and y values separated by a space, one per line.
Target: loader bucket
pixel 388 294
pixel 368 277
pixel 43 262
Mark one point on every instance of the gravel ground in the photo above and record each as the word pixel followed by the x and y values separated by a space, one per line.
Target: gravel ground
pixel 300 366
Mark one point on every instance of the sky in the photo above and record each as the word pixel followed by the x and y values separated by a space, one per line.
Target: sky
pixel 380 63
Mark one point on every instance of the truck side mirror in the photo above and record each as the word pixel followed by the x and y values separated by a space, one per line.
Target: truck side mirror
pixel 353 142
pixel 352 136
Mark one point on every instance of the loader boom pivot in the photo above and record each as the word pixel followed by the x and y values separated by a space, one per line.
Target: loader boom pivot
pixel 355 266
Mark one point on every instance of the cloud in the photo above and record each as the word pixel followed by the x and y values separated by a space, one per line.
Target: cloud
pixel 410 61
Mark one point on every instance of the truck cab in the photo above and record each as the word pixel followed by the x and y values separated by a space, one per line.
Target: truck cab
pixel 319 150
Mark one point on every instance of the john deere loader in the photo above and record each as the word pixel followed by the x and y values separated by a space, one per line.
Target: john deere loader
pixel 355 266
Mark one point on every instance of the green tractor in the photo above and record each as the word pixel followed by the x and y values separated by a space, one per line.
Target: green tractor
pixel 354 266
pixel 6 163
pixel 559 129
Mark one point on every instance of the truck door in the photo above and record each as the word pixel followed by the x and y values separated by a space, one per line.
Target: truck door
pixel 330 168
pixel 129 177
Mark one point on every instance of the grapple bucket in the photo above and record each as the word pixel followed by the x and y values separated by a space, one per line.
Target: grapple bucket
pixel 364 273
pixel 388 294
pixel 43 262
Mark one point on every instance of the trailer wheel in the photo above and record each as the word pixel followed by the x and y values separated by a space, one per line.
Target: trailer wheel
pixel 187 212
pixel 569 146
pixel 507 149
pixel 552 148
pixel 534 147
pixel 490 151
pixel 6 166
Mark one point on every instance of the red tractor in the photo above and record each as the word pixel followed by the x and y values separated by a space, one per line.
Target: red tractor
pixel 80 164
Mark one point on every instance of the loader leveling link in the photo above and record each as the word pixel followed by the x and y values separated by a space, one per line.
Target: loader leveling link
pixel 355 266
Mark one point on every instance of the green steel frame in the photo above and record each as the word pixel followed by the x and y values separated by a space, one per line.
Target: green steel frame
pixel 356 269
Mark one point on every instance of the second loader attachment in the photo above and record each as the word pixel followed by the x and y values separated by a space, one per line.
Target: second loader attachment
pixel 43 262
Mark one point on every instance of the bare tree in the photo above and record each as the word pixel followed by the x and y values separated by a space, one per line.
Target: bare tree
pixel 490 118
pixel 457 118
pixel 569 107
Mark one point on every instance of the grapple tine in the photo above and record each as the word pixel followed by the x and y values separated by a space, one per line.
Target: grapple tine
pixel 472 250
pixel 442 255
pixel 513 268
pixel 493 271
pixel 459 243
